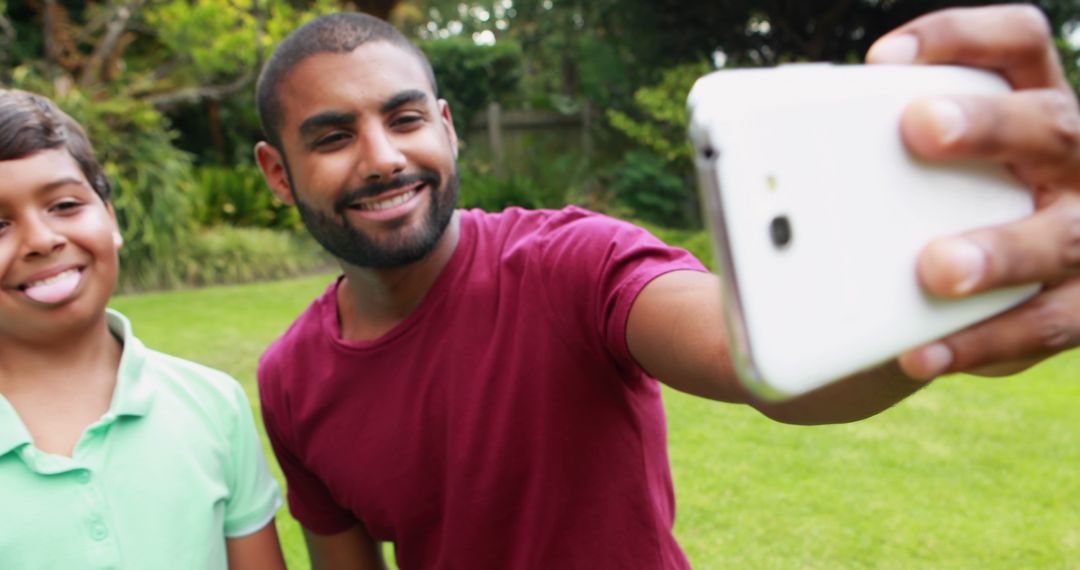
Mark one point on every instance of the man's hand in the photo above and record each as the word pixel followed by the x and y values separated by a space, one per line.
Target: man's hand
pixel 1035 130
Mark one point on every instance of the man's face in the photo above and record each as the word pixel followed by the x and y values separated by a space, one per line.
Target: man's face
pixel 369 155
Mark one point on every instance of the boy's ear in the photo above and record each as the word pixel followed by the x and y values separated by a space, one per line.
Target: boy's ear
pixel 272 165
pixel 117 238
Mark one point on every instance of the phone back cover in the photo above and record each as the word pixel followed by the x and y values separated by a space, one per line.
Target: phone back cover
pixel 843 295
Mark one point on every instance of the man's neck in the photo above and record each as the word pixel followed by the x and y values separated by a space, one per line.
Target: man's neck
pixel 373 301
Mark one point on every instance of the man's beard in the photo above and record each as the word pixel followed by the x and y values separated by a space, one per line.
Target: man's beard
pixel 344 241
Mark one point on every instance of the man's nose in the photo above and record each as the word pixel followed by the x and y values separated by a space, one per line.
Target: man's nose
pixel 382 158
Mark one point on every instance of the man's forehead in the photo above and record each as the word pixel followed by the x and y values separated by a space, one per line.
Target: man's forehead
pixel 370 74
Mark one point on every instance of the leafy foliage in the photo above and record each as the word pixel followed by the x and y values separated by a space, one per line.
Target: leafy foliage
pixel 226 254
pixel 654 180
pixel 471 76
pixel 662 110
pixel 481 188
pixel 643 183
pixel 237 196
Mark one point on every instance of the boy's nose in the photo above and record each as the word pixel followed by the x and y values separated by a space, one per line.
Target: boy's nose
pixel 40 238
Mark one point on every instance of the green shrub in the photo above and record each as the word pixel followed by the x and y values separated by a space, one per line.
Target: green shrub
pixel 470 76
pixel 226 254
pixel 480 188
pixel 238 196
pixel 643 183
pixel 658 124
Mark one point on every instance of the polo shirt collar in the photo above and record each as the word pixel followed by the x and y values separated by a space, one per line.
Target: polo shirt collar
pixel 13 433
pixel 132 395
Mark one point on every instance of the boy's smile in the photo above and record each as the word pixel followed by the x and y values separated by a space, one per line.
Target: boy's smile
pixel 58 245
pixel 53 287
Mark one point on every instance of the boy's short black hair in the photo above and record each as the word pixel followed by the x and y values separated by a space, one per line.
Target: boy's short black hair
pixel 30 123
pixel 333 33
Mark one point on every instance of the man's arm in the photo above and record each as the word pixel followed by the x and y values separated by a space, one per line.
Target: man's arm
pixel 675 329
pixel 676 332
pixel 353 549
pixel 257 551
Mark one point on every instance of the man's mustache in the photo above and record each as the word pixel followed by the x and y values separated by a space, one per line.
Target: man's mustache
pixel 375 188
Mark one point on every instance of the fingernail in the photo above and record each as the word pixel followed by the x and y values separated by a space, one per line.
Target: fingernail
pixel 949 120
pixel 966 261
pixel 936 358
pixel 901 49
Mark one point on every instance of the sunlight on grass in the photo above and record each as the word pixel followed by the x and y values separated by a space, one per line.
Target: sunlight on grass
pixel 970 473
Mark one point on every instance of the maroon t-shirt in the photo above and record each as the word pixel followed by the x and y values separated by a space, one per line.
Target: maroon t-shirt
pixel 504 423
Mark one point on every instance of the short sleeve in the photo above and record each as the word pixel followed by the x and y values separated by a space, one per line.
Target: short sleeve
pixel 310 502
pixel 603 264
pixel 254 495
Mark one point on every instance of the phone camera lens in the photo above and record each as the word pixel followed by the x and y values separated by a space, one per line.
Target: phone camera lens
pixel 780 231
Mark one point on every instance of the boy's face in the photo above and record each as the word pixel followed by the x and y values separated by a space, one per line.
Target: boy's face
pixel 58 248
pixel 371 154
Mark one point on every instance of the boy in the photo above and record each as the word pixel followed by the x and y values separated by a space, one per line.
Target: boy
pixel 111 454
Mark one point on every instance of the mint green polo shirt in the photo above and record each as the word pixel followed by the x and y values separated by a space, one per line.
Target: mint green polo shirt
pixel 171 470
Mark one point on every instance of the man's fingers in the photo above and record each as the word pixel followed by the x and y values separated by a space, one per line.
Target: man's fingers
pixel 1007 343
pixel 1013 40
pixel 1034 127
pixel 1044 247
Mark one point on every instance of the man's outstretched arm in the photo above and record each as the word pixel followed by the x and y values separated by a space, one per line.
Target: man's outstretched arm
pixel 675 330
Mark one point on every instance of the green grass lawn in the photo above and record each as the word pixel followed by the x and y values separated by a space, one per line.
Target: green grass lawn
pixel 970 473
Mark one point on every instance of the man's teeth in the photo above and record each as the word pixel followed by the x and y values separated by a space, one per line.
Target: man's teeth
pixel 389 202
pixel 54 279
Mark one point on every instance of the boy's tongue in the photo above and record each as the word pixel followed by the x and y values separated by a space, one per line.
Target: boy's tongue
pixel 56 290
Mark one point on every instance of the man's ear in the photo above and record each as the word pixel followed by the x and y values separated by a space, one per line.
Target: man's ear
pixel 448 124
pixel 272 165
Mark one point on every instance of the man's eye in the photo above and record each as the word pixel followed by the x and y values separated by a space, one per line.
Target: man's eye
pixel 331 139
pixel 405 120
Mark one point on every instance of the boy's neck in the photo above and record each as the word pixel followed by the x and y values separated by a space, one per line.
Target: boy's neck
pixel 30 365
pixel 62 387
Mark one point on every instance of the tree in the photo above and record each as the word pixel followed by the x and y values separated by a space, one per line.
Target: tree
pixel 118 66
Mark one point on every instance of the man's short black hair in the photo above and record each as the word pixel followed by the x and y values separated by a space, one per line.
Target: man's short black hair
pixel 30 123
pixel 334 33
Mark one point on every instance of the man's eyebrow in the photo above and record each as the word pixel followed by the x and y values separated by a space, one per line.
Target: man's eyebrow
pixel 403 98
pixel 319 121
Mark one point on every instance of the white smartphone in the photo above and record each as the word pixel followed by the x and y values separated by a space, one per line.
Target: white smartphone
pixel 818 214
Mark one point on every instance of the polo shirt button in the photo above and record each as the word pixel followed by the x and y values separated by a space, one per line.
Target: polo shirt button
pixel 84 476
pixel 99 532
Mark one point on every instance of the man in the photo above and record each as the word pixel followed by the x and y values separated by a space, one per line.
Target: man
pixel 480 389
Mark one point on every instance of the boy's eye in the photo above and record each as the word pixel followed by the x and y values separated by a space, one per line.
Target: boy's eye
pixel 66 206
